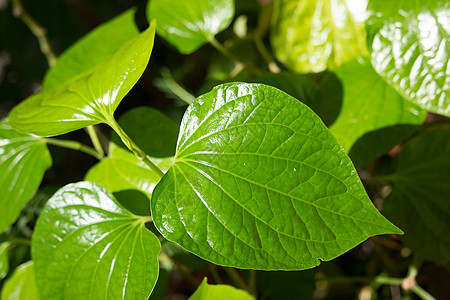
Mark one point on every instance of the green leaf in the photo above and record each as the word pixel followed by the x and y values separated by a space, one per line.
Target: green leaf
pixel 23 162
pixel 4 261
pixel 219 292
pixel 87 246
pixel 409 43
pixel 21 285
pixel 143 122
pixel 370 104
pixel 94 48
pixel 259 182
pixel 122 170
pixel 188 25
pixel 87 99
pixel 419 201
pixel 314 35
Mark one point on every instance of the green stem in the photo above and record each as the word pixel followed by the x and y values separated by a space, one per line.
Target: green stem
pixel 273 67
pixel 237 279
pixel 422 293
pixel 95 141
pixel 18 240
pixel 38 31
pixel 222 49
pixel 74 145
pixel 131 145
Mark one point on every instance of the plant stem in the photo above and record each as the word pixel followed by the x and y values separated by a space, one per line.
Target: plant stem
pixel 422 293
pixel 237 279
pixel 74 145
pixel 222 49
pixel 273 67
pixel 131 145
pixel 38 31
pixel 95 141
pixel 19 240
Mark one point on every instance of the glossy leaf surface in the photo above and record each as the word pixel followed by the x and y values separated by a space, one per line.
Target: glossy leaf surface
pixel 409 43
pixel 4 261
pixel 87 246
pixel 122 170
pixel 21 285
pixel 259 182
pixel 419 202
pixel 370 104
pixel 88 99
pixel 188 25
pixel 94 48
pixel 23 162
pixel 219 292
pixel 314 35
pixel 151 130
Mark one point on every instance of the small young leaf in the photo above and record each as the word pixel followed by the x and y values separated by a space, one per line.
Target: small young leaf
pixel 219 292
pixel 87 246
pixel 143 122
pixel 419 202
pixel 259 182
pixel 88 99
pixel 4 261
pixel 188 25
pixel 21 285
pixel 314 35
pixel 94 48
pixel 122 170
pixel 23 162
pixel 409 43
pixel 370 104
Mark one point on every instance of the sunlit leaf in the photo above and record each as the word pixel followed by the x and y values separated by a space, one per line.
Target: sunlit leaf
pixel 23 162
pixel 94 48
pixel 87 246
pixel 419 202
pixel 87 99
pixel 4 261
pixel 314 35
pixel 122 170
pixel 370 104
pixel 259 182
pixel 21 285
pixel 409 43
pixel 219 292
pixel 188 25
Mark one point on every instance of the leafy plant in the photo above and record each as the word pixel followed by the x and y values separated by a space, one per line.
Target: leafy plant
pixel 260 175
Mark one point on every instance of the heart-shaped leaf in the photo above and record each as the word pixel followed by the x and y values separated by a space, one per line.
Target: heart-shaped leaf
pixel 370 104
pixel 122 170
pixel 259 182
pixel 94 48
pixel 21 285
pixel 23 162
pixel 188 25
pixel 87 99
pixel 419 201
pixel 314 35
pixel 409 43
pixel 87 246
pixel 219 292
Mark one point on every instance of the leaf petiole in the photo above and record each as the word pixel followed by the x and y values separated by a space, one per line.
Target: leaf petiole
pixel 74 145
pixel 95 141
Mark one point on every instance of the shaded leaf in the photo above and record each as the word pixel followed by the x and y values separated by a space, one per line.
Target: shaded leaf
pixel 122 170
pixel 259 182
pixel 188 25
pixel 314 35
pixel 94 48
pixel 409 43
pixel 419 199
pixel 286 285
pixel 21 285
pixel 23 162
pixel 370 104
pixel 219 292
pixel 87 246
pixel 87 99
pixel 4 261
pixel 143 122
